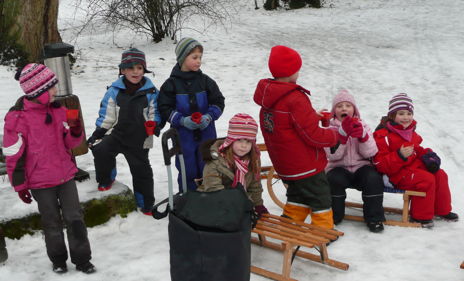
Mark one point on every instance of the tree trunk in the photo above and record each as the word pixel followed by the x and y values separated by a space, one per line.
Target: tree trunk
pixel 27 25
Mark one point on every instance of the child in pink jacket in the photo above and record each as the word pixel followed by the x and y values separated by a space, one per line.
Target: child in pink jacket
pixel 350 163
pixel 37 142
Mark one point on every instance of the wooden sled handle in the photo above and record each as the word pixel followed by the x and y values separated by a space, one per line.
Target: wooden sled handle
pixel 270 178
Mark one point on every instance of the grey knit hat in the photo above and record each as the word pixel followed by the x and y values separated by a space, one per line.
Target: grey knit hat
pixel 184 47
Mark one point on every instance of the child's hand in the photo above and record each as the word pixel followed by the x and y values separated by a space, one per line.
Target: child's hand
pixel 205 120
pixel 431 161
pixel 406 151
pixel 189 124
pixel 25 195
pixel 347 127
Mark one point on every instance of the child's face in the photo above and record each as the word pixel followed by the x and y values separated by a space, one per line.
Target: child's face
pixel 133 74
pixel 343 109
pixel 404 118
pixel 241 147
pixel 193 61
pixel 52 93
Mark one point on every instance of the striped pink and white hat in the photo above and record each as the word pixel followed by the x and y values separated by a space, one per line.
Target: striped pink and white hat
pixel 400 102
pixel 35 79
pixel 241 126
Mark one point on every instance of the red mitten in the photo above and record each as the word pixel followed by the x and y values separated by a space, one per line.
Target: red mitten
pixel 25 195
pixel 347 126
pixel 150 127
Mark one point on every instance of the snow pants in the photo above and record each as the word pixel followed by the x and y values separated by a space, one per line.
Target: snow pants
pixel 310 196
pixel 365 179
pixel 190 142
pixel 105 154
pixel 57 204
pixel 438 198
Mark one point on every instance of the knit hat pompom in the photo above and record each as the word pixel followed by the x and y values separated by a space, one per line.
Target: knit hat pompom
pixel 241 126
pixel 184 47
pixel 35 79
pixel 345 96
pixel 284 61
pixel 131 57
pixel 400 102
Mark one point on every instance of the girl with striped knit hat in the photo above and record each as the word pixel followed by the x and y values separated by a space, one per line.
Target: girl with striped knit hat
pixel 234 162
pixel 38 136
pixel 410 166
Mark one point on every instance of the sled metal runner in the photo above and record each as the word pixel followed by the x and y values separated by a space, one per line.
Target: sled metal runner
pixel 293 235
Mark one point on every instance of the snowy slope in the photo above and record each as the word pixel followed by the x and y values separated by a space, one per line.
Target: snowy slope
pixel 374 48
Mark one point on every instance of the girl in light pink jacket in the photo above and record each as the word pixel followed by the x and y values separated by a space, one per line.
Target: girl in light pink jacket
pixel 350 163
pixel 37 140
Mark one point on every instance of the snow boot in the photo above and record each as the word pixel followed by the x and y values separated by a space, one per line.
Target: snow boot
pixel 60 268
pixel 375 226
pixel 296 212
pixel 87 268
pixel 453 217
pixel 323 218
pixel 424 223
pixel 105 187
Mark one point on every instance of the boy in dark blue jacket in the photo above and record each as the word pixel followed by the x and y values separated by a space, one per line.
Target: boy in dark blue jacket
pixel 191 101
pixel 128 119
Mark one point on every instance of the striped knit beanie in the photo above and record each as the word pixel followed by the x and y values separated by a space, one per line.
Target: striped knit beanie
pixel 184 47
pixel 131 57
pixel 400 102
pixel 241 126
pixel 35 79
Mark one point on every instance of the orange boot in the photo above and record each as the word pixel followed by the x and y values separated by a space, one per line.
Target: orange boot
pixel 323 218
pixel 296 212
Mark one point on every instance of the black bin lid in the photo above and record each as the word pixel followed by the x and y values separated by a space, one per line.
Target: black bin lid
pixel 57 50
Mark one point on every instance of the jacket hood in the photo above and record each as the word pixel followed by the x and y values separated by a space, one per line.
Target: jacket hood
pixel 269 91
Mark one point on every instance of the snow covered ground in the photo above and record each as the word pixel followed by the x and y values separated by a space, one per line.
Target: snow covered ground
pixel 374 48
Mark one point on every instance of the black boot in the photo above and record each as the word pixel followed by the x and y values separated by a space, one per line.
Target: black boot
pixel 375 227
pixel 86 267
pixel 450 217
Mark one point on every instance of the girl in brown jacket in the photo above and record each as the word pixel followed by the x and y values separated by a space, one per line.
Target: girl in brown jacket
pixel 234 161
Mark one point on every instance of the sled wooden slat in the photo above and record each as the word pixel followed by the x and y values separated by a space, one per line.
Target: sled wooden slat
pixel 404 212
pixel 291 235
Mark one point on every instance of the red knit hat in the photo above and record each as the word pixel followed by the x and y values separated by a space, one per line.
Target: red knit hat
pixel 35 79
pixel 284 61
pixel 241 126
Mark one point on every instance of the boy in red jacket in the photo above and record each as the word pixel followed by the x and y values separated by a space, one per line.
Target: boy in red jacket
pixel 294 140
pixel 410 166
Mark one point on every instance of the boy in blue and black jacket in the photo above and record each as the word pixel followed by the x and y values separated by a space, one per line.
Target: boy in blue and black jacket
pixel 128 119
pixel 191 101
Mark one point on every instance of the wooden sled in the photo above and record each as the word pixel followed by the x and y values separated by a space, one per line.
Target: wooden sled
pixel 293 234
pixel 404 212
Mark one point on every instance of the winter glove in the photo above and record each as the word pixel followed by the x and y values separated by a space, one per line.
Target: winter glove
pixel 432 161
pixel 188 123
pixel 359 132
pixel 205 120
pixel 25 195
pixel 150 127
pixel 99 133
pixel 260 210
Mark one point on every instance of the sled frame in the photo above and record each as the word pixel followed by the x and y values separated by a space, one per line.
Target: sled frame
pixel 293 235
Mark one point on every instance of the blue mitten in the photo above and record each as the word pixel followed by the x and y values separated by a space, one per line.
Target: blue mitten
pixel 188 123
pixel 205 120
pixel 431 161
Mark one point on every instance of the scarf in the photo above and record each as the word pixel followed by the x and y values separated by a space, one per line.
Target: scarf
pixel 405 134
pixel 240 171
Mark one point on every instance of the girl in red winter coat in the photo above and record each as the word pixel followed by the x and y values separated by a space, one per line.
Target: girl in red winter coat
pixel 409 166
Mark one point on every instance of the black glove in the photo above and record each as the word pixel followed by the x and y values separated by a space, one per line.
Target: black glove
pixel 431 161
pixel 97 134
